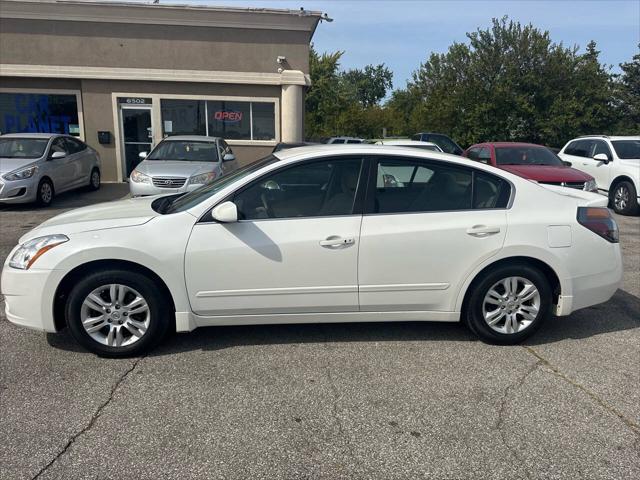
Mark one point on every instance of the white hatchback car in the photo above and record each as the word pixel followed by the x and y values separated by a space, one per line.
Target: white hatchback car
pixel 313 234
pixel 615 164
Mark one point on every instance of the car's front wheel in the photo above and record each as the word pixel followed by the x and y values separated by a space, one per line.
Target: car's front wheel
pixel 508 304
pixel 44 195
pixel 117 313
pixel 624 198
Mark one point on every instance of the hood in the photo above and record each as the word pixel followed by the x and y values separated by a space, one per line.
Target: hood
pixel 174 168
pixel 10 164
pixel 548 173
pixel 121 213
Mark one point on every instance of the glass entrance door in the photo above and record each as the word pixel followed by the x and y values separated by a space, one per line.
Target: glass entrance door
pixel 137 135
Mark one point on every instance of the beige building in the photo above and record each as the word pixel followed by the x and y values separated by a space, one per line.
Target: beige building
pixel 122 76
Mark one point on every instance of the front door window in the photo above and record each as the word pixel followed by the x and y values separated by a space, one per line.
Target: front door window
pixel 313 189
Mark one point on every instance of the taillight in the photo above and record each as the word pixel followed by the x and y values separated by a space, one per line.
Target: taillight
pixel 600 222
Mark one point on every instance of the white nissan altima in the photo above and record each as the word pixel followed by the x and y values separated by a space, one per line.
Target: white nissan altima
pixel 319 234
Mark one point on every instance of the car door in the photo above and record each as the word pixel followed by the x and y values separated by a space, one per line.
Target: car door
pixel 423 234
pixel 61 170
pixel 601 170
pixel 294 249
pixel 579 153
pixel 80 159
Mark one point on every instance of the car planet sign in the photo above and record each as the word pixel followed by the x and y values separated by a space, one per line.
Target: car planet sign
pixel 228 116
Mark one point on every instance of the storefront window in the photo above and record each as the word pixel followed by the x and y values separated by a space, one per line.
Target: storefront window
pixel 229 120
pixel 183 117
pixel 39 113
pixel 264 125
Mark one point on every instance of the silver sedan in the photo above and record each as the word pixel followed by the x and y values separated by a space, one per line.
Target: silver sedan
pixel 181 164
pixel 36 166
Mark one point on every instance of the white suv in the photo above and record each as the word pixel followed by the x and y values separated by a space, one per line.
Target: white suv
pixel 615 164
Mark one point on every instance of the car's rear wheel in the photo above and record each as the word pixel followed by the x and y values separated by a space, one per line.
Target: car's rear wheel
pixel 44 195
pixel 624 198
pixel 117 313
pixel 94 179
pixel 508 304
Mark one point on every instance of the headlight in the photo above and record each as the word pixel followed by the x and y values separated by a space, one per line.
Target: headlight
pixel 21 174
pixel 138 177
pixel 591 186
pixel 202 178
pixel 29 251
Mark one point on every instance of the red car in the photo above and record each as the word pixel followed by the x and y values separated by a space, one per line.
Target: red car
pixel 534 162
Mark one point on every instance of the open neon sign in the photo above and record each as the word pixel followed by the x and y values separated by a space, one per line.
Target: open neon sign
pixel 228 116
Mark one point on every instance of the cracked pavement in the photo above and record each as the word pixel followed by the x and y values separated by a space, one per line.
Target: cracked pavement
pixel 399 400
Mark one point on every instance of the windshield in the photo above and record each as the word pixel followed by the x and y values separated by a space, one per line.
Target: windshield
pixel 193 198
pixel 527 155
pixel 627 149
pixel 23 147
pixel 186 151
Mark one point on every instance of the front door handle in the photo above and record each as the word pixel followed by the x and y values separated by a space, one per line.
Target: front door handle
pixel 336 241
pixel 481 231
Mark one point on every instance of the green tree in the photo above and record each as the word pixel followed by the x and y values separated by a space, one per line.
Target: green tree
pixel 344 103
pixel 627 92
pixel 326 96
pixel 370 85
pixel 511 82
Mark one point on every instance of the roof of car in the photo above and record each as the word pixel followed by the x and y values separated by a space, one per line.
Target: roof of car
pixel 363 148
pixel 611 137
pixel 31 135
pixel 191 138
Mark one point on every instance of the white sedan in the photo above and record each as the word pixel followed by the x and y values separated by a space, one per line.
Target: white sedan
pixel 319 234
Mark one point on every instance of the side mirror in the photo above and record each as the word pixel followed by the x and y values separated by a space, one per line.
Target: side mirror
pixel 55 155
pixel 226 212
pixel 143 155
pixel 228 157
pixel 601 157
pixel 567 164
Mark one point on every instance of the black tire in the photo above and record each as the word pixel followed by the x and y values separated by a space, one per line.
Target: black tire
pixel 623 198
pixel 45 193
pixel 474 313
pixel 94 180
pixel 160 312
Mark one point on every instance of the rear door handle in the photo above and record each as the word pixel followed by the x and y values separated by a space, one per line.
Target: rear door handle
pixel 336 241
pixel 482 231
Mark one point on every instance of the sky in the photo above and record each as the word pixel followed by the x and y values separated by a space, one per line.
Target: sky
pixel 402 33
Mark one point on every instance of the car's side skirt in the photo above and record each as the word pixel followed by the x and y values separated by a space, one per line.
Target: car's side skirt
pixel 187 322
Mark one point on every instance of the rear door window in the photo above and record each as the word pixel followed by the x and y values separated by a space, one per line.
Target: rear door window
pixel 405 185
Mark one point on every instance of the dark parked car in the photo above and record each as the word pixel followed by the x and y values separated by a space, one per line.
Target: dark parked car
pixel 444 142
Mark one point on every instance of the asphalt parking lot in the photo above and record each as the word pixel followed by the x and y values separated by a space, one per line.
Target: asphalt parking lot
pixel 405 400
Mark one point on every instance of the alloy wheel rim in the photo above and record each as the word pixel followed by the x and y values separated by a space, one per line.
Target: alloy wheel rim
pixel 621 198
pixel 45 192
pixel 511 305
pixel 95 179
pixel 115 315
